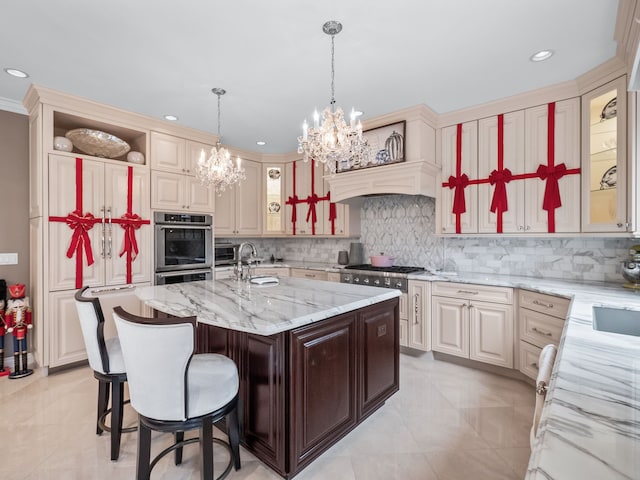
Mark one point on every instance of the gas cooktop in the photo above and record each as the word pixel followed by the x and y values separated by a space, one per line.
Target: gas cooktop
pixel 395 269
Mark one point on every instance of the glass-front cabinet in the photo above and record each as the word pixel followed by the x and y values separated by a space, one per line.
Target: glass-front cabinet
pixel 604 161
pixel 273 177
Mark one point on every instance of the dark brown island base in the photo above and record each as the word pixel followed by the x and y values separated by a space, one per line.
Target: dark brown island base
pixel 304 389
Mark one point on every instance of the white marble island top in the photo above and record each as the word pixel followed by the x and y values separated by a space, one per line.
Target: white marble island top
pixel 590 426
pixel 264 310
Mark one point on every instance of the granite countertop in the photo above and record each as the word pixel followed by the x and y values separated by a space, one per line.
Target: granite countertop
pixel 590 427
pixel 264 310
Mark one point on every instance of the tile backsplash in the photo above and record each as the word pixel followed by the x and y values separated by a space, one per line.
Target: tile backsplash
pixel 403 226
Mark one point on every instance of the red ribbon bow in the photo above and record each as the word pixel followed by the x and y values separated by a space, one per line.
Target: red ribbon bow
pixel 459 183
pixel 80 238
pixel 293 201
pixel 311 213
pixel 551 190
pixel 131 222
pixel 500 178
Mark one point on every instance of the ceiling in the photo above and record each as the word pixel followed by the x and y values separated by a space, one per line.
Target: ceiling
pixel 158 57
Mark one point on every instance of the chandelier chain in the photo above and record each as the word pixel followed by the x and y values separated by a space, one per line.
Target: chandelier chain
pixel 333 74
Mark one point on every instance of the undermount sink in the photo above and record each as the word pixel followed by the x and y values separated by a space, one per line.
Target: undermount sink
pixel 616 320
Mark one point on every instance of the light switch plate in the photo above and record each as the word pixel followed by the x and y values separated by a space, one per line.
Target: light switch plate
pixel 8 258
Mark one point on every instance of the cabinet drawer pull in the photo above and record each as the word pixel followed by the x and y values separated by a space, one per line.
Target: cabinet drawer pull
pixel 534 365
pixel 542 304
pixel 310 275
pixel 416 299
pixel 542 332
pixel 469 292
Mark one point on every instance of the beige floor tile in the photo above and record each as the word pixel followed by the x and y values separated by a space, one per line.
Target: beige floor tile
pixel 472 464
pixel 411 466
pixel 420 433
pixel 500 426
pixel 516 458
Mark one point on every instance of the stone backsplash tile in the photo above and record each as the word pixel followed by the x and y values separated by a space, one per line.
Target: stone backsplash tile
pixel 403 226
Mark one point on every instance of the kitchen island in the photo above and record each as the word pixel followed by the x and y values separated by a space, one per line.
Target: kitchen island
pixel 315 358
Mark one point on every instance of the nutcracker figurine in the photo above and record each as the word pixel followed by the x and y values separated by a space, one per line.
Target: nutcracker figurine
pixel 3 302
pixel 18 320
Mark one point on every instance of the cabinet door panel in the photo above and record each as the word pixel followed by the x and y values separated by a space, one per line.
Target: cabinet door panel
pixel 248 195
pixel 193 152
pixel 224 220
pixel 62 201
pixel 418 299
pixel 303 173
pixel 323 384
pixel 491 333
pixel 450 326
pixel 200 198
pixel 513 159
pixel 468 166
pixel 66 343
pixel 116 198
pixel 567 151
pixel 168 192
pixel 167 153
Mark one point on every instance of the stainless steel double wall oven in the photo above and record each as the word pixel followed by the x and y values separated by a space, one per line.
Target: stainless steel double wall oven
pixel 183 247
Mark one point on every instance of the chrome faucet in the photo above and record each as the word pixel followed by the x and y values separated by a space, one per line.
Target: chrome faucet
pixel 252 258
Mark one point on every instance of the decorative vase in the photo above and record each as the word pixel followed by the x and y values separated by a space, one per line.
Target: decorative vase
pixel 135 157
pixel 63 144
pixel 395 146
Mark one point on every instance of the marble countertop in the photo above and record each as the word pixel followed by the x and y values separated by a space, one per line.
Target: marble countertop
pixel 325 267
pixel 264 310
pixel 590 427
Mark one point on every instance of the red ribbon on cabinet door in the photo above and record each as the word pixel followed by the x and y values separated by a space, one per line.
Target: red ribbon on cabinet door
pixel 551 173
pixel 80 224
pixel 459 182
pixel 293 200
pixel 130 222
pixel 500 178
pixel 333 212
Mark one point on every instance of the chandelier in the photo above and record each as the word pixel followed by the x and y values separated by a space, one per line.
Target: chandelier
pixel 338 145
pixel 218 169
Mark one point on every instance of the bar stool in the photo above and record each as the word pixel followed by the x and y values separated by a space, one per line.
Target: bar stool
pixel 105 358
pixel 174 390
pixel 545 366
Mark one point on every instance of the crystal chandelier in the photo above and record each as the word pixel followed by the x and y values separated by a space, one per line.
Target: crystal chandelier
pixel 334 142
pixel 218 169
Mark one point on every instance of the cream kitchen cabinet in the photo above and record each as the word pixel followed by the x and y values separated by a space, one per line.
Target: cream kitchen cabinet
pixel 104 195
pixel 174 154
pixel 473 321
pixel 418 315
pixel 304 180
pixel 273 207
pixel 605 206
pixel 180 193
pixel 459 152
pixel 403 314
pixel 310 274
pixel 514 168
pixel 272 271
pixel 238 209
pixel 335 277
pixel 541 319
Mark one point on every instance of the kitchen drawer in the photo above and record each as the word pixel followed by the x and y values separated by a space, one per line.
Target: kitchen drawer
pixel 403 307
pixel 538 328
pixel 529 357
pixel 469 291
pixel 548 304
pixel 272 271
pixel 312 274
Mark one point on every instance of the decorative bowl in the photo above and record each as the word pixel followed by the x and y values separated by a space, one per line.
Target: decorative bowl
pixel 63 144
pixel 97 143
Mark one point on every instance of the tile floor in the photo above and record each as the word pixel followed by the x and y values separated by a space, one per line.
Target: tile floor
pixel 446 422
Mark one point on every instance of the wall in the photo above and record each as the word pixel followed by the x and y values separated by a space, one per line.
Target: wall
pixel 404 226
pixel 14 195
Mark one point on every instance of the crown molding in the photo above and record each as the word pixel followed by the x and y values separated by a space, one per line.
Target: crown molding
pixel 417 112
pixel 605 72
pixel 12 106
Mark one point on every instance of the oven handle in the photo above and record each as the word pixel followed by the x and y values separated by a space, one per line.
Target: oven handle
pixel 181 272
pixel 184 227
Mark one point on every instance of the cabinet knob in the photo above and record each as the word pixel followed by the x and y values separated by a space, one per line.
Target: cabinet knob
pixel 620 225
pixel 527 227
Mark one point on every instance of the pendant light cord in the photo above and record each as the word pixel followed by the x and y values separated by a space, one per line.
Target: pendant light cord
pixel 333 71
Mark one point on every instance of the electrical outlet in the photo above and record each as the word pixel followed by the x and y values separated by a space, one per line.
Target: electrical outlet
pixel 8 258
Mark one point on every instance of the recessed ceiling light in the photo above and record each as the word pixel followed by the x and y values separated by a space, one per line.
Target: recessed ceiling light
pixel 541 55
pixel 261 143
pixel 171 118
pixel 16 73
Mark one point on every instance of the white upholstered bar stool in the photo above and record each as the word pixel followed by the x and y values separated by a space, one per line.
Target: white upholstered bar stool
pixel 545 366
pixel 174 390
pixel 105 358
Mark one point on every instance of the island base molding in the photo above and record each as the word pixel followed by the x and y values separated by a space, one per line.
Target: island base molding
pixel 304 389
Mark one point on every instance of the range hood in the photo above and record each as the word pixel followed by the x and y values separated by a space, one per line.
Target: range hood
pixel 408 178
